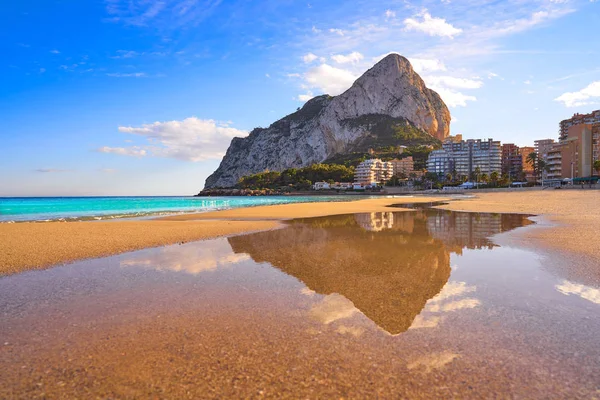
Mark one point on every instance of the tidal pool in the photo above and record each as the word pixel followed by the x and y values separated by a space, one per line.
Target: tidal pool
pixel 414 304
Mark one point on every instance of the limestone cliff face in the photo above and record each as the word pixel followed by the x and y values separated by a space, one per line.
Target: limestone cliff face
pixel 327 125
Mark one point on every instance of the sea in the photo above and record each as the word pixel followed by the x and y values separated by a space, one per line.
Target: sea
pixel 21 209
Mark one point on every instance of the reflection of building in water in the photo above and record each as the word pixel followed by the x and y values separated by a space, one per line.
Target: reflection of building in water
pixel 378 221
pixel 375 222
pixel 470 230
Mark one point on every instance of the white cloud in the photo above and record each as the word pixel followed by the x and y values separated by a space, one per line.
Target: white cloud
pixel 527 82
pixel 353 57
pixel 452 82
pixel 54 51
pixel 306 96
pixel 134 151
pixel 108 170
pixel 191 139
pixel 431 26
pixel 390 14
pixel 453 98
pixel 581 97
pixel 340 32
pixel 308 58
pixel 422 65
pixel 329 79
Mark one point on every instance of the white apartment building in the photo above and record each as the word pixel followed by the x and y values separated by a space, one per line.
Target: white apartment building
pixel 373 172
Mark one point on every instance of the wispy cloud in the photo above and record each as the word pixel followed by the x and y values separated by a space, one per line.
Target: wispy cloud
pixel 424 22
pixel 588 95
pixel 128 75
pixel 191 139
pixel 51 170
pixel 160 14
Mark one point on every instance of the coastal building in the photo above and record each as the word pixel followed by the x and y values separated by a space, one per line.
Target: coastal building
pixel 578 119
pixel 543 146
pixel 440 162
pixel 321 186
pixel 373 172
pixel 554 162
pixel 404 166
pixel 573 156
pixel 512 161
pixel 465 157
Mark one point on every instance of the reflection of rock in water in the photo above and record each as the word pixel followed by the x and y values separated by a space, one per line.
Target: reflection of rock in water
pixel 388 264
pixel 388 275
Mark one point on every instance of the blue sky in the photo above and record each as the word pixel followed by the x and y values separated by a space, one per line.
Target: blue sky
pixel 141 97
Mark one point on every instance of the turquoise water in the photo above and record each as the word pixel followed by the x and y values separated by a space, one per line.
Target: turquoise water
pixel 77 208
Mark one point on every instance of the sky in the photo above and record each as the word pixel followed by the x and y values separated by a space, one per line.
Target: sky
pixel 142 97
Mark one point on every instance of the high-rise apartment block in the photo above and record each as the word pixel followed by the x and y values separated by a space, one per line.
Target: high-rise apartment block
pixel 512 161
pixel 578 119
pixel 465 157
pixel 373 172
pixel 404 166
pixel 543 146
pixel 573 156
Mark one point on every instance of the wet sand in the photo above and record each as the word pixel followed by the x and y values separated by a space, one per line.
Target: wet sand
pixel 571 223
pixel 25 246
pixel 376 305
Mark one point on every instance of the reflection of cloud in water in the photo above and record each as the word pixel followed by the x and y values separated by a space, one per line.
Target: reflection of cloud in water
pixel 425 322
pixel 191 258
pixel 433 361
pixel 350 330
pixel 333 307
pixel 455 305
pixel 583 291
pixel 452 289
pixel 445 301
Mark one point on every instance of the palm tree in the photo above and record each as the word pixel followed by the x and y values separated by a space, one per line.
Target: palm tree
pixel 532 159
pixel 484 178
pixel 494 177
pixel 448 177
pixel 597 166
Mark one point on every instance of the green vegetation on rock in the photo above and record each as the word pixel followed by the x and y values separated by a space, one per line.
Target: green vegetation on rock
pixel 297 178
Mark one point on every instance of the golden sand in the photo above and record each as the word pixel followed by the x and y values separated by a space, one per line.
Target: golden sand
pixel 574 214
pixel 38 245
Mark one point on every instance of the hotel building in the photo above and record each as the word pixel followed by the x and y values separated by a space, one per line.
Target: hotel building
pixel 373 172
pixel 465 156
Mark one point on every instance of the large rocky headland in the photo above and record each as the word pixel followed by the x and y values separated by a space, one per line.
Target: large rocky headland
pixel 388 98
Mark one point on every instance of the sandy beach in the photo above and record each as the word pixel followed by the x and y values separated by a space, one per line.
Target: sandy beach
pixel 38 245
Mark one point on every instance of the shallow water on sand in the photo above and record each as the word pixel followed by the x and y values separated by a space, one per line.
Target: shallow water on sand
pixel 399 304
